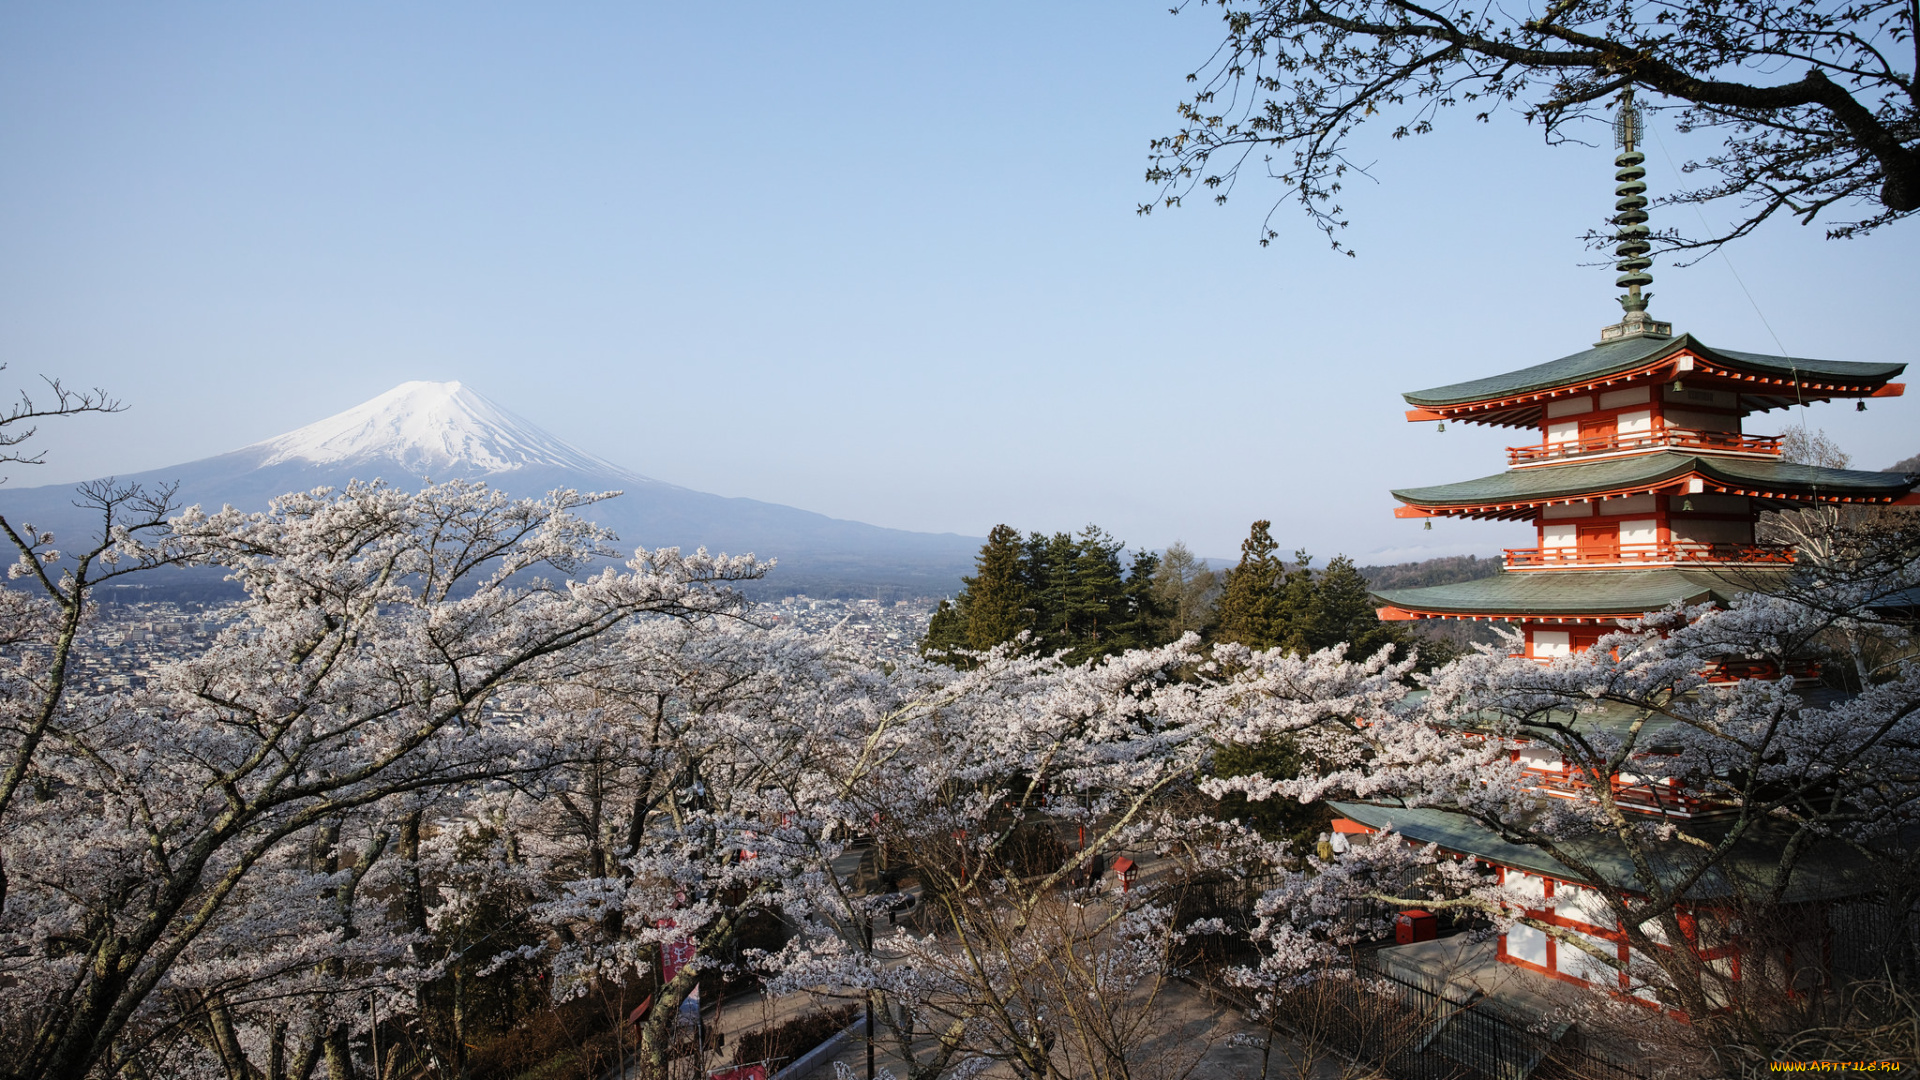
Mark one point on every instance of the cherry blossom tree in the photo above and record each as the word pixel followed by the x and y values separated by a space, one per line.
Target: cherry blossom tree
pixel 1788 769
pixel 210 838
pixel 1024 953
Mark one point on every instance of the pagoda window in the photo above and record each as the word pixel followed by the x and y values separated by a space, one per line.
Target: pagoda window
pixel 1632 504
pixel 1526 944
pixel 1543 758
pixel 1568 510
pixel 1527 886
pixel 1642 534
pixel 1620 399
pixel 1578 964
pixel 1563 431
pixel 1580 905
pixel 1559 536
pixel 1572 406
pixel 1550 644
pixel 1598 429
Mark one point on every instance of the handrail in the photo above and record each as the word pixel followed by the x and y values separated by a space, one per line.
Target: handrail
pixel 1645 440
pixel 1683 551
pixel 1645 795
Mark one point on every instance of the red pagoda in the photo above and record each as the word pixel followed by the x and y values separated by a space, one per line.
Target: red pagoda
pixel 1643 488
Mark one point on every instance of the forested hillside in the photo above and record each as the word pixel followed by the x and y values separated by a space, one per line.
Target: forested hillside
pixel 1441 571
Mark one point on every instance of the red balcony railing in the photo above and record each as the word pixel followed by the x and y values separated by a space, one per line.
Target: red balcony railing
pixel 1660 438
pixel 1682 552
pixel 1646 796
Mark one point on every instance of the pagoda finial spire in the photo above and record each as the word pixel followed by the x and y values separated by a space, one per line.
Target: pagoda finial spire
pixel 1631 235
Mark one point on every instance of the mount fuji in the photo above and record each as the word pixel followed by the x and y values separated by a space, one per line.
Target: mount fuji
pixel 444 431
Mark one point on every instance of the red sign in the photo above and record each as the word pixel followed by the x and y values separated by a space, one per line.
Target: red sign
pixel 675 955
pixel 741 1072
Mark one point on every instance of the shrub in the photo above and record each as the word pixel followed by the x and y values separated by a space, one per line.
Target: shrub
pixel 788 1039
pixel 570 1041
pixel 1032 849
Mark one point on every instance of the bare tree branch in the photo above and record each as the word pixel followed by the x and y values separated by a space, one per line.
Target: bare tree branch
pixel 1813 110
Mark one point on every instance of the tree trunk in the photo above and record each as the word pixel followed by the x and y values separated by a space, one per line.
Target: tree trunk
pixel 339 1054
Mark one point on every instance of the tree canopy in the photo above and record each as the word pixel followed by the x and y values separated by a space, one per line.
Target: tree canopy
pixel 1815 102
pixel 1068 592
pixel 1266 603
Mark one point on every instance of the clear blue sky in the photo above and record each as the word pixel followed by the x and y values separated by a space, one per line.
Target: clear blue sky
pixel 875 260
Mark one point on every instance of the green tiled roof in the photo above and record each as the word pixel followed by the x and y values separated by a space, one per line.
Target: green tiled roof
pixel 1576 592
pixel 1825 872
pixel 1564 481
pixel 1615 356
pixel 1614 718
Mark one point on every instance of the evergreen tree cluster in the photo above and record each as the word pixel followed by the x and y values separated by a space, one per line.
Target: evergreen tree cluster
pixel 1070 592
pixel 1066 592
pixel 1267 603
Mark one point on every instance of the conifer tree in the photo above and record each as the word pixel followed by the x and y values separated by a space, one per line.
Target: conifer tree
pixel 1150 619
pixel 1343 611
pixel 1050 573
pixel 999 605
pixel 1069 592
pixel 1095 595
pixel 947 629
pixel 1250 610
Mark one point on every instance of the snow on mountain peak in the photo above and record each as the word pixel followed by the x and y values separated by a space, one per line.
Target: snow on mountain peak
pixel 437 429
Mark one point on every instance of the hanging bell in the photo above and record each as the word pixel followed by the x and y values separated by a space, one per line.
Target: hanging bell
pixel 1429 526
pixel 1443 425
pixel 1859 406
pixel 1686 504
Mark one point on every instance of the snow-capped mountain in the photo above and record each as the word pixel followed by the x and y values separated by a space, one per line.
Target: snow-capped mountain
pixel 428 429
pixel 443 431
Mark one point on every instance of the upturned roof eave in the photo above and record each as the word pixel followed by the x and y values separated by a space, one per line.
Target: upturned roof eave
pixel 1573 594
pixel 1583 371
pixel 1632 356
pixel 1521 490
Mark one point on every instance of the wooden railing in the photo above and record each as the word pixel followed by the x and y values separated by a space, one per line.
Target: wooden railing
pixel 1648 797
pixel 1591 555
pixel 1660 438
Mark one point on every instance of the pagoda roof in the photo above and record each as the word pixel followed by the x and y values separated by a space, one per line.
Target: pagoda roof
pixel 1517 492
pixel 1573 594
pixel 1822 872
pixel 1766 381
